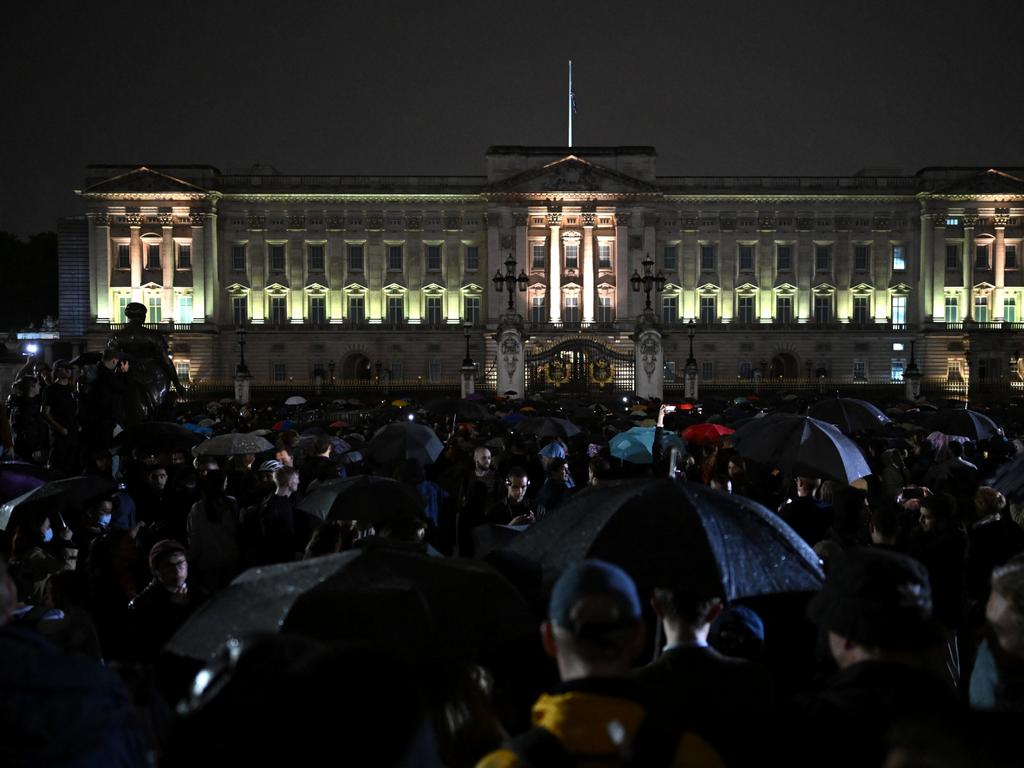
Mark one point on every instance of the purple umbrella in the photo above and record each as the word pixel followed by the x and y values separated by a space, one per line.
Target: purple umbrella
pixel 20 477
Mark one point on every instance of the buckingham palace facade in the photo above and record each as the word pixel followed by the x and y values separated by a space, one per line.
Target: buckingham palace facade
pixel 364 276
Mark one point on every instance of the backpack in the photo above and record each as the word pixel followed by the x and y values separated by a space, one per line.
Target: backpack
pixel 654 744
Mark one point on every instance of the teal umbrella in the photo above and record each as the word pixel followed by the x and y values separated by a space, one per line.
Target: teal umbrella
pixel 635 445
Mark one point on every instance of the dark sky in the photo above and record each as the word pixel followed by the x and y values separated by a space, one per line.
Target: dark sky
pixel 411 87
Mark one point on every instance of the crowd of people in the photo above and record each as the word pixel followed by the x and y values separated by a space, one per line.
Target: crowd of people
pixel 912 653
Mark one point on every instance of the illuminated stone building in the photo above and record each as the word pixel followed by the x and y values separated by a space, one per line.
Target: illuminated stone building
pixel 365 276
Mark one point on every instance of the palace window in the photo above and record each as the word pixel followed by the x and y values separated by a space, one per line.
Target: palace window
pixel 537 309
pixel 278 310
pixel 783 258
pixel 860 370
pixel 471 309
pixel 280 372
pixel 899 310
pixel 981 309
pixel 669 257
pixel 1011 257
pixel 152 256
pixel 240 310
pixel 238 258
pixel 707 370
pixel 156 308
pixel 669 310
pixel 184 370
pixel 472 258
pixel 861 257
pixel 746 258
pixel 784 310
pixel 822 309
pixel 1010 309
pixel 897 366
pixel 123 300
pixel 316 257
pixel 572 256
pixel 708 309
pixel 277 258
pixel 434 371
pixel 318 310
pixel 952 257
pixel 184 256
pixel 185 308
pixel 571 308
pixel 124 256
pixel 745 310
pixel 604 309
pixel 355 258
pixel 981 257
pixel 434 258
pixel 604 256
pixel 435 311
pixel 539 256
pixel 822 258
pixel 952 309
pixel 861 310
pixel 899 257
pixel 707 258
pixel 356 310
pixel 396 310
pixel 395 258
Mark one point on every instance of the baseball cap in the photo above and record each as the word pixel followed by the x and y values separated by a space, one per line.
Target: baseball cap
pixel 594 597
pixel 162 549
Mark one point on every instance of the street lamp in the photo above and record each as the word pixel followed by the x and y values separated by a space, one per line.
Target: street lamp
pixel 912 377
pixel 690 369
pixel 648 280
pixel 241 368
pixel 467 362
pixel 330 367
pixel 508 282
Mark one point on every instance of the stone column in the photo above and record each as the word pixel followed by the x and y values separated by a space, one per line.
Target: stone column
pixel 511 362
pixel 168 265
pixel 938 259
pixel 970 220
pixel 211 286
pixel 803 270
pixel 99 261
pixel 650 359
pixel 926 272
pixel 522 253
pixel 766 266
pixel 336 276
pixel 555 267
pixel 622 221
pixel 588 267
pixel 493 261
pixel 881 271
pixel 689 263
pixel 1000 220
pixel 199 277
pixel 135 250
pixel 454 271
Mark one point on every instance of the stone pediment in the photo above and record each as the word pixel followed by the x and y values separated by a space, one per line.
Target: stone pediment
pixel 144 180
pixel 572 174
pixel 990 182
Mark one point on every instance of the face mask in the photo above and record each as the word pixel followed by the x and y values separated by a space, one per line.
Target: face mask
pixel 105 520
pixel 48 535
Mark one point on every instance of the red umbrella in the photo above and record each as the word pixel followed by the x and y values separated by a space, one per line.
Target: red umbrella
pixel 705 433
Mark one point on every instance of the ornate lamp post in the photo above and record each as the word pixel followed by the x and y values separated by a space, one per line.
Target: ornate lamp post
pixel 509 281
pixel 468 366
pixel 912 377
pixel 242 375
pixel 648 281
pixel 690 373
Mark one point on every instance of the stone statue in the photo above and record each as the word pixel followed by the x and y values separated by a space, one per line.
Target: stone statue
pixel 150 370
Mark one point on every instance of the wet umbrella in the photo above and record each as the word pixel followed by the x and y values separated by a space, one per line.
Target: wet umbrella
pixel 635 445
pixel 850 415
pixel 415 606
pixel 546 426
pixel 801 445
pixel 61 497
pixel 404 440
pixel 702 434
pixel 1009 479
pixel 233 444
pixel 295 400
pixel 367 498
pixel 19 477
pixel 965 423
pixel 467 410
pixel 161 435
pixel 670 533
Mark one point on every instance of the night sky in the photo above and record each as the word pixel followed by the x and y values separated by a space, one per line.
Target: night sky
pixel 731 88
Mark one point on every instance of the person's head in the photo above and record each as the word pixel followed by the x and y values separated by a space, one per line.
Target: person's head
pixel 594 625
pixel 28 386
pixel 482 458
pixel 157 478
pixel 331 537
pixel 558 470
pixel 42 372
pixel 988 501
pixel 875 604
pixel 598 469
pixel 737 467
pixel 111 358
pixel 179 458
pixel 517 482
pixel 169 564
pixel 322 445
pixel 284 455
pixel 806 486
pixel 135 312
pixel 550 452
pixel 287 480
pixel 1005 608
pixel 684 612
pixel 204 464
pixel 936 512
pixel 101 513
pixel 265 471
pixel 884 525
pixel 61 372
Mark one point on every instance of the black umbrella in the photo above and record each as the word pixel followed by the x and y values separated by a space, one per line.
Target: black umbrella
pixel 850 415
pixel 670 533
pixel 413 605
pixel 965 423
pixel 160 435
pixel 546 426
pixel 466 410
pixel 233 444
pixel 801 445
pixel 63 498
pixel 367 498
pixel 404 440
pixel 1009 479
pixel 18 477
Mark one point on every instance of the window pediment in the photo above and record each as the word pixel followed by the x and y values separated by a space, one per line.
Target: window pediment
pixel 276 289
pixel 708 289
pixel 316 288
pixel 394 289
pixel 900 289
pixel 861 289
pixel 785 289
pixel 355 288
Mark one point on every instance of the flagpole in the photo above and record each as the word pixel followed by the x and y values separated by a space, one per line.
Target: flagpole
pixel 570 102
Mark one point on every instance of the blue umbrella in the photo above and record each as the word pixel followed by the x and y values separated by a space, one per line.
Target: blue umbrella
pixel 635 445
pixel 513 418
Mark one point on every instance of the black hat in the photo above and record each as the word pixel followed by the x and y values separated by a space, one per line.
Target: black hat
pixel 594 597
pixel 878 599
